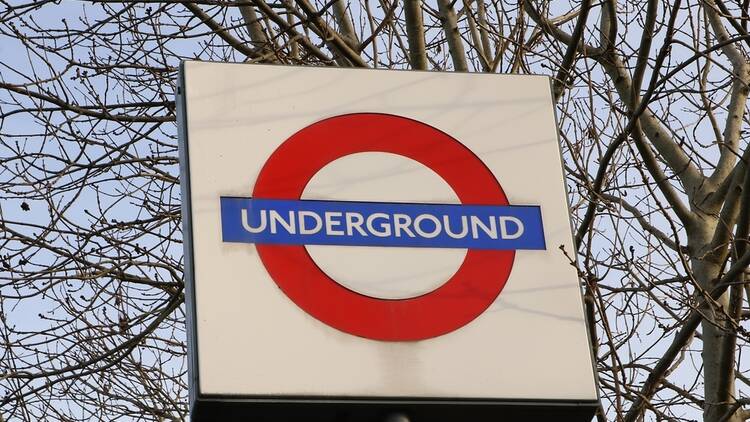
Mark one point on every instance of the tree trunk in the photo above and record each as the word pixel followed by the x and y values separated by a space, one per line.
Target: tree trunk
pixel 706 268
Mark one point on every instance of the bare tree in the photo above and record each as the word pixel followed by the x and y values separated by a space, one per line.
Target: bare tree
pixel 651 101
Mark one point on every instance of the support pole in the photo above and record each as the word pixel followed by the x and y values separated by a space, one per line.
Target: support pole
pixel 397 417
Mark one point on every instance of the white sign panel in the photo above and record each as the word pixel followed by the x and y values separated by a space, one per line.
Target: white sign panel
pixel 389 239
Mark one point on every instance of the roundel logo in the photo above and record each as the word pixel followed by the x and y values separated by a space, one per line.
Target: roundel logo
pixel 281 224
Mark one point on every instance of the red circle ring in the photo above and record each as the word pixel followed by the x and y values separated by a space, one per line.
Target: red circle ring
pixel 472 289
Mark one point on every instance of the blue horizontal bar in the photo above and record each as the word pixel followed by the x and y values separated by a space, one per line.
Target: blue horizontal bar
pixel 305 222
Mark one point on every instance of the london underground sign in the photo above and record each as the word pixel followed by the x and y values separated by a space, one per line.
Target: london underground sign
pixel 485 223
pixel 289 207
